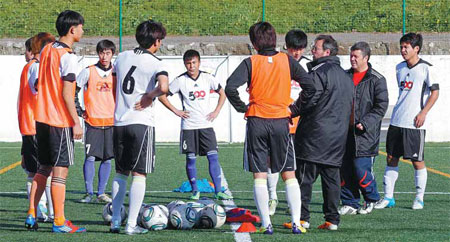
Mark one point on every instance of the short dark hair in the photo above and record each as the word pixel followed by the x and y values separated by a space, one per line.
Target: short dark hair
pixel 28 44
pixel 148 32
pixel 296 39
pixel 40 40
pixel 106 45
pixel 66 20
pixel 413 39
pixel 363 47
pixel 263 35
pixel 329 43
pixel 190 54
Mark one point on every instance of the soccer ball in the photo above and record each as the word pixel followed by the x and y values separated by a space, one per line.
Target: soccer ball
pixel 164 209
pixel 183 217
pixel 206 201
pixel 107 213
pixel 153 218
pixel 174 204
pixel 212 216
pixel 198 208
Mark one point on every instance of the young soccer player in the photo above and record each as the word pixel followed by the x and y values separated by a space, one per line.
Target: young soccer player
pixel 197 134
pixel 296 42
pixel 57 123
pixel 97 84
pixel 26 103
pixel 418 91
pixel 268 75
pixel 141 77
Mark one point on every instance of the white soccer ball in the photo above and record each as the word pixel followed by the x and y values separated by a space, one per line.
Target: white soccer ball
pixel 107 213
pixel 198 208
pixel 153 218
pixel 164 209
pixel 212 216
pixel 174 204
pixel 183 217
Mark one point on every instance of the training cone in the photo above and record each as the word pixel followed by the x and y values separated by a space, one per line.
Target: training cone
pixel 246 227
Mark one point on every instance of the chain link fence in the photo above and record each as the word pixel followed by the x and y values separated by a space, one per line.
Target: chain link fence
pixel 23 18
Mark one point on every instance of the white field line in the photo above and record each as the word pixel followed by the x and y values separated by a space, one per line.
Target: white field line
pixel 147 192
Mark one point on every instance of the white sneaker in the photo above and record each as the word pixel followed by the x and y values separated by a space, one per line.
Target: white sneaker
pixel 135 230
pixel 417 204
pixel 272 206
pixel 385 203
pixel 366 208
pixel 346 210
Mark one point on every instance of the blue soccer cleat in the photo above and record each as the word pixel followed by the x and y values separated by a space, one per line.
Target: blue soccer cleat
pixel 298 229
pixel 30 223
pixel 68 227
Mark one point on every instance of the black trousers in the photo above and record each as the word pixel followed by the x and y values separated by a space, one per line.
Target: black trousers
pixel 307 173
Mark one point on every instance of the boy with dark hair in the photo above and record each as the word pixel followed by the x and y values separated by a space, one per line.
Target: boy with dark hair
pixel 197 135
pixel 57 123
pixel 268 75
pixel 140 78
pixel 418 91
pixel 96 81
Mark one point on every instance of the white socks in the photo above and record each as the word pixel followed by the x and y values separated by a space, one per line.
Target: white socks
pixel 421 182
pixel 137 193
pixel 272 181
pixel 119 190
pixel 261 196
pixel 293 199
pixel 390 177
pixel 48 194
pixel 29 183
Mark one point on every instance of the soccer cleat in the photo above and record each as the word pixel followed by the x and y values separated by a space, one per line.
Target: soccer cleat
pixel 68 227
pixel 385 203
pixel 195 196
pixel 103 198
pixel 417 204
pixel 328 226
pixel 304 224
pixel 88 198
pixel 298 229
pixel 273 203
pixel 268 230
pixel 366 208
pixel 30 223
pixel 115 226
pixel 222 196
pixel 135 230
pixel 346 210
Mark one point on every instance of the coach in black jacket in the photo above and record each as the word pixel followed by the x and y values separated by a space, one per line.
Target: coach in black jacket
pixel 370 105
pixel 322 131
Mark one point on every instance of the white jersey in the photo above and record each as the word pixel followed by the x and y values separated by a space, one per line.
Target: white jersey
pixel 415 85
pixel 195 95
pixel 295 86
pixel 136 71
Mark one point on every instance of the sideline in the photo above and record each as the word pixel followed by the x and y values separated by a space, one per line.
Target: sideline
pixel 12 166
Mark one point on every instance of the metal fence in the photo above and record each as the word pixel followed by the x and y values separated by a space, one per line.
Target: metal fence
pixel 23 18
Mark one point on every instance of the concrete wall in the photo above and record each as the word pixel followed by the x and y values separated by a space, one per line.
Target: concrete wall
pixel 230 125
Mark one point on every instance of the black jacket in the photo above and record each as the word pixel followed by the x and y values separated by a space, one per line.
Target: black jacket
pixel 322 131
pixel 370 106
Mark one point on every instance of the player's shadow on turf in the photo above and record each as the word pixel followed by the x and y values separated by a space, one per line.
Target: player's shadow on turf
pixel 16 196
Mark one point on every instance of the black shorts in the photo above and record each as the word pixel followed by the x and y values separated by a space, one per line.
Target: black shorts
pixel 268 138
pixel 55 145
pixel 30 153
pixel 408 143
pixel 198 141
pixel 134 148
pixel 99 142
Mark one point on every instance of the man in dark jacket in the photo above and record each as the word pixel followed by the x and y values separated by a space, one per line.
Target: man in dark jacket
pixel 322 131
pixel 370 104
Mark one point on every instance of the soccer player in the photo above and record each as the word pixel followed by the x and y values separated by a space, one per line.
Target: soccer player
pixel 296 42
pixel 141 77
pixel 370 103
pixel 57 123
pixel 322 132
pixel 97 84
pixel 197 135
pixel 418 91
pixel 27 127
pixel 268 75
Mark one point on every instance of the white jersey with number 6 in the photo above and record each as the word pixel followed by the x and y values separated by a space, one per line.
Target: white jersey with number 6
pixel 136 72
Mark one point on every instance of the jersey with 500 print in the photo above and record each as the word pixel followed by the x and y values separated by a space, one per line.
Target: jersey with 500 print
pixel 195 95
pixel 415 84
pixel 136 71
